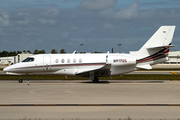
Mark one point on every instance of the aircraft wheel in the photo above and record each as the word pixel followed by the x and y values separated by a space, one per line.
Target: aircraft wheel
pixel 96 80
pixel 20 80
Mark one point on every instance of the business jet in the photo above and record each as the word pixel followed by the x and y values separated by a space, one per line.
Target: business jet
pixel 154 51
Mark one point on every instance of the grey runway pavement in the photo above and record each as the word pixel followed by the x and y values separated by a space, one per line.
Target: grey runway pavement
pixel 89 113
pixel 86 92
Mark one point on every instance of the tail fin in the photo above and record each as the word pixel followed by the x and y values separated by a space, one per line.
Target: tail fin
pixel 156 49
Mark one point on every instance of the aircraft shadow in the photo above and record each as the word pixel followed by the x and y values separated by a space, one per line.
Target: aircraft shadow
pixel 100 82
pixel 125 81
pixel 89 81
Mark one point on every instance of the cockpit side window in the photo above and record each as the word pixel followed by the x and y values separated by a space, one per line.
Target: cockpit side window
pixel 29 59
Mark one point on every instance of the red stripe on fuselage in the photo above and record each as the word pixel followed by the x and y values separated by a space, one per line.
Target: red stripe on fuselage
pixel 155 56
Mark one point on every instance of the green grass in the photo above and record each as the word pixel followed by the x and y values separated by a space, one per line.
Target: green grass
pixel 161 69
pixel 124 77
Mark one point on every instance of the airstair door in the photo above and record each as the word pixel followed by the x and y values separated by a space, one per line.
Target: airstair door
pixel 47 63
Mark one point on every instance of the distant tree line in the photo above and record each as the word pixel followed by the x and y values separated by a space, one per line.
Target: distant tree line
pixel 39 51
pixel 6 53
pixel 14 53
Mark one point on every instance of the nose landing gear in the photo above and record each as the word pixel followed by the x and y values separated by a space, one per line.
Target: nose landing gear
pixel 20 79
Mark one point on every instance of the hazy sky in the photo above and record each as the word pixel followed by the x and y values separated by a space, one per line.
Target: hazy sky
pixel 98 24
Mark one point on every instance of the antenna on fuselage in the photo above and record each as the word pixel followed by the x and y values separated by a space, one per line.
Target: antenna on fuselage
pixel 74 52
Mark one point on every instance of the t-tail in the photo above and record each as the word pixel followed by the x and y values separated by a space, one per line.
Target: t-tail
pixel 156 49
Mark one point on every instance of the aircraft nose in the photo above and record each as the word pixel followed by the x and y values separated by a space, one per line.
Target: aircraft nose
pixel 6 69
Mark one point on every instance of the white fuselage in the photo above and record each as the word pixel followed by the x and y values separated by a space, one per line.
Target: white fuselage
pixel 104 64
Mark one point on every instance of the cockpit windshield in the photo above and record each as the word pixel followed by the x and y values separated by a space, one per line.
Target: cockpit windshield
pixel 29 59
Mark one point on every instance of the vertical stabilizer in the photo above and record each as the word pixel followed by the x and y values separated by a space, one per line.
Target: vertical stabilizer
pixel 156 49
pixel 162 37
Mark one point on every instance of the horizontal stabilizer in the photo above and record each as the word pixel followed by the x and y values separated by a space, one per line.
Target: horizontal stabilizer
pixel 160 46
pixel 147 66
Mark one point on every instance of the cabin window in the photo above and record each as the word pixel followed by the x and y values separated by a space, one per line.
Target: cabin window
pixel 74 60
pixel 68 60
pixel 29 59
pixel 80 60
pixel 62 60
pixel 56 60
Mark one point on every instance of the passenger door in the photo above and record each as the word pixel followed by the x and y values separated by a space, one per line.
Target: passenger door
pixel 47 63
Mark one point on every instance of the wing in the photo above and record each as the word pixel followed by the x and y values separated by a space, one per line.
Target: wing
pixel 98 71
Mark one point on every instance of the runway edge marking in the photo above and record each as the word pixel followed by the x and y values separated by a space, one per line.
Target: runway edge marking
pixel 175 73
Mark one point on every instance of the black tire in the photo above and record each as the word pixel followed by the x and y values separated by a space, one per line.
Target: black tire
pixel 96 80
pixel 20 80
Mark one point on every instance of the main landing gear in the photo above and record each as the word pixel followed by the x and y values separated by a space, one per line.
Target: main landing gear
pixel 95 80
pixel 20 79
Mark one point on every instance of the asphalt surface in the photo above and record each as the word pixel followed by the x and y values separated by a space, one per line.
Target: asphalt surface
pixel 50 92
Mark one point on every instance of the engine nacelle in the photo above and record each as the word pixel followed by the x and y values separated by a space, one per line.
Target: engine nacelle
pixel 121 64
pixel 121 60
pixel 160 60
